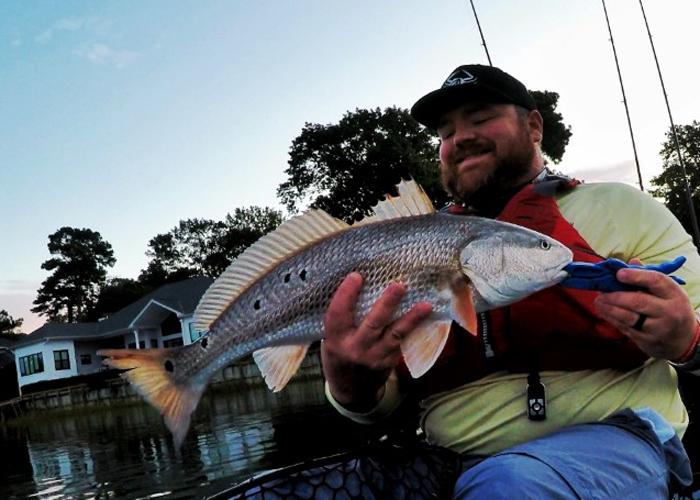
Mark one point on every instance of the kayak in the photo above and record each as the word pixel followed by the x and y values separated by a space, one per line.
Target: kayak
pixel 376 471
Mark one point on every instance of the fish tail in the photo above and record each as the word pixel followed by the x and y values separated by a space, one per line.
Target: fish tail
pixel 148 370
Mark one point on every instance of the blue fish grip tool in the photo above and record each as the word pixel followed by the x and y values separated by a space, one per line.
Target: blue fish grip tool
pixel 601 275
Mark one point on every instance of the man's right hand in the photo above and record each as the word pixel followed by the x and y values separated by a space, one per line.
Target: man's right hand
pixel 358 359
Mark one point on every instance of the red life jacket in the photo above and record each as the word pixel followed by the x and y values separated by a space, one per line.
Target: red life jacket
pixel 557 328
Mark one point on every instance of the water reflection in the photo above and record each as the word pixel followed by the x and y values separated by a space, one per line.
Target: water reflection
pixel 127 453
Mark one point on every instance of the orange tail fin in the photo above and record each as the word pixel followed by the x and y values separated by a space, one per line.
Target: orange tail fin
pixel 147 372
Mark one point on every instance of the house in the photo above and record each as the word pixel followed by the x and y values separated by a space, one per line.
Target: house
pixel 162 318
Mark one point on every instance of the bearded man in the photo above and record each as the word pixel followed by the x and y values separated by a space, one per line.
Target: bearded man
pixel 614 416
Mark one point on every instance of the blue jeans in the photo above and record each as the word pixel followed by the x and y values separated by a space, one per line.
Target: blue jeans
pixel 626 456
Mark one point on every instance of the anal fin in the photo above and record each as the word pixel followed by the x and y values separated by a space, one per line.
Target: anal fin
pixel 278 364
pixel 424 344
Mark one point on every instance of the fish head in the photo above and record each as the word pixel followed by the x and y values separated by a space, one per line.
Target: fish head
pixel 506 263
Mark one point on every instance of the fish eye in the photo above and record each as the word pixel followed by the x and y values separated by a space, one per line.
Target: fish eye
pixel 545 245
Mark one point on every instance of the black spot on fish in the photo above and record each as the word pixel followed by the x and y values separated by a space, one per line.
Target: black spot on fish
pixel 287 277
pixel 169 367
pixel 256 306
pixel 302 275
pixel 205 343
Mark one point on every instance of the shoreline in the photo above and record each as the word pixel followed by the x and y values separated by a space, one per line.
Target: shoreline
pixel 118 391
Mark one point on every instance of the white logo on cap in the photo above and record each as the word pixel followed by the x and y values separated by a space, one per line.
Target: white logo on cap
pixel 459 77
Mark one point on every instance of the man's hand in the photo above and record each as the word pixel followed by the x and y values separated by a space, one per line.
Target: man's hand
pixel 358 359
pixel 670 322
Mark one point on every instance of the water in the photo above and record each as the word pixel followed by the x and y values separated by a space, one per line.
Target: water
pixel 126 452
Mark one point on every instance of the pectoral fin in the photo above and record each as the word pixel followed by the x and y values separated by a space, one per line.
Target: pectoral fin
pixel 462 308
pixel 278 364
pixel 423 345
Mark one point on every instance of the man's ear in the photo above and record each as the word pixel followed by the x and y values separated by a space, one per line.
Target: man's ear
pixel 536 125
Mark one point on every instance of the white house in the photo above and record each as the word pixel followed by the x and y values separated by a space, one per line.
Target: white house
pixel 162 318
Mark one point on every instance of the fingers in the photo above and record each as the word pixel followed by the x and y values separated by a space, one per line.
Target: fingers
pixel 382 312
pixel 409 321
pixel 624 308
pixel 624 312
pixel 379 325
pixel 657 301
pixel 357 360
pixel 341 310
pixel 655 282
pixel 670 317
pixel 380 321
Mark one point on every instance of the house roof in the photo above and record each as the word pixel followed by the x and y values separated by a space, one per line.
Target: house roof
pixel 180 298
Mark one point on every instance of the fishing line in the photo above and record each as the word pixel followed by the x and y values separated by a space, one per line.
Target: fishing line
pixel 481 33
pixel 693 219
pixel 624 98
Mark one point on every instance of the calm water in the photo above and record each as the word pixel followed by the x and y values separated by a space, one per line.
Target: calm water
pixel 126 452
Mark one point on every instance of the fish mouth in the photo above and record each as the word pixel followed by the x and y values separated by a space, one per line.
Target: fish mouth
pixel 518 290
pixel 560 276
pixel 552 276
pixel 559 272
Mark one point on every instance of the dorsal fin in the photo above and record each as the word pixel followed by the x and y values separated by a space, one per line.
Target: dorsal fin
pixel 288 238
pixel 411 201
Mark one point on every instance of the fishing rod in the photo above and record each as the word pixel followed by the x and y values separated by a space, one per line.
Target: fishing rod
pixel 693 219
pixel 483 40
pixel 624 98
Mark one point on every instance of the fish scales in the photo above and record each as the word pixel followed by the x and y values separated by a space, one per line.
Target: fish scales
pixel 272 300
pixel 291 311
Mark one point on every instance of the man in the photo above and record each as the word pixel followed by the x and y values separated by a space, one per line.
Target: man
pixel 609 422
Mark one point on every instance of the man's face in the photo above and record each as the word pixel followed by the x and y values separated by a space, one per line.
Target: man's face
pixel 488 147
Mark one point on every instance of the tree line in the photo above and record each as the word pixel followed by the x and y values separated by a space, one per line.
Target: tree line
pixel 342 168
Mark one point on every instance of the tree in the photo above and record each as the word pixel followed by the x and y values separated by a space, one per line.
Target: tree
pixel 670 183
pixel 242 229
pixel 555 135
pixel 8 324
pixel 115 294
pixel 205 247
pixel 80 262
pixel 345 168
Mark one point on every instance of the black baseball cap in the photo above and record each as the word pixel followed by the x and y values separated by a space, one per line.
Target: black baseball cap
pixel 471 83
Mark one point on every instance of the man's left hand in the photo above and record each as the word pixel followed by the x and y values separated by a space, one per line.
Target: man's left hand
pixel 660 319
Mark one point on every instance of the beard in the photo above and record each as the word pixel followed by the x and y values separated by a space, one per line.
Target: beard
pixel 490 192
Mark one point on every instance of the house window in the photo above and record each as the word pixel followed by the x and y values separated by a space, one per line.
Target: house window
pixel 85 359
pixel 61 360
pixel 154 343
pixel 176 342
pixel 29 365
pixel 194 334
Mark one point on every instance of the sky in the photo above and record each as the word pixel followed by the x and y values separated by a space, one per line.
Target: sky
pixel 127 117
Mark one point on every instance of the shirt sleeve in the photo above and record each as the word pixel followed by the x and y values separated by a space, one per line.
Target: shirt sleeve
pixel 390 401
pixel 620 221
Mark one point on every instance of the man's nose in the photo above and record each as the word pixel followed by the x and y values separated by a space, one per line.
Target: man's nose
pixel 464 132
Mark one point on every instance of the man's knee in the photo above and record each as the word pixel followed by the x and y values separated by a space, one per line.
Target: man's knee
pixel 510 476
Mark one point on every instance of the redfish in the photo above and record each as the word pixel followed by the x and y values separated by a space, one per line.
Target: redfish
pixel 272 299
